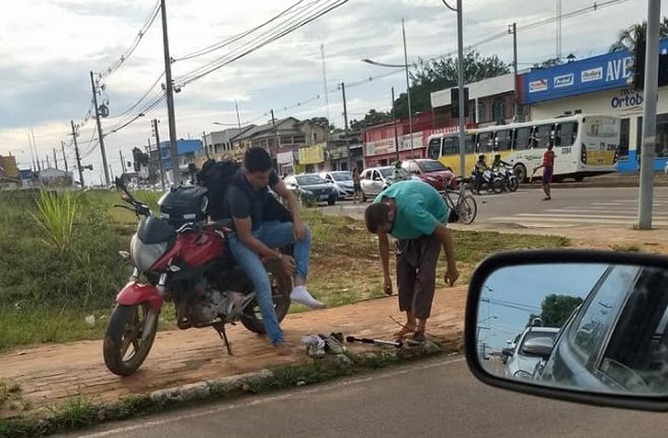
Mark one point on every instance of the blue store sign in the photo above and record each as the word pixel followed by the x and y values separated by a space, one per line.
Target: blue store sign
pixel 600 73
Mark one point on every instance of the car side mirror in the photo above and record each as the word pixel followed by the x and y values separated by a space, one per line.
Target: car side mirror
pixel 609 307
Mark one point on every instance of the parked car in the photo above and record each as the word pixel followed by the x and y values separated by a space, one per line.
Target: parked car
pixel 617 339
pixel 522 362
pixel 342 181
pixel 374 180
pixel 431 171
pixel 311 187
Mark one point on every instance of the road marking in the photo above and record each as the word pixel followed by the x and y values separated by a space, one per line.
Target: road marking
pixel 575 216
pixel 264 400
pixel 531 221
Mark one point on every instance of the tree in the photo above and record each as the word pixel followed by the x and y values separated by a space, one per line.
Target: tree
pixel 140 158
pixel 373 117
pixel 557 308
pixel 432 75
pixel 627 38
pixel 552 62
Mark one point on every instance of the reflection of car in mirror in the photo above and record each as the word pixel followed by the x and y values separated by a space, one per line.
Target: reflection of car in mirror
pixel 523 361
pixel 605 339
pixel 617 339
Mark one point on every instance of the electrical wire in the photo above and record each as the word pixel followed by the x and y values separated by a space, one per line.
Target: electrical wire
pixel 262 41
pixel 140 35
pixel 226 42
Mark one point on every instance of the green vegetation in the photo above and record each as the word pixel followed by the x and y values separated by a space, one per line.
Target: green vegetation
pixel 59 253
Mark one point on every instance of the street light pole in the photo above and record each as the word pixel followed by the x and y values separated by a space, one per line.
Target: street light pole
pixel 408 89
pixel 512 28
pixel 396 134
pixel 460 81
pixel 649 116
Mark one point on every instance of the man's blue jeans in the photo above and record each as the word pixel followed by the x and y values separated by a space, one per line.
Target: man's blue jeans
pixel 274 235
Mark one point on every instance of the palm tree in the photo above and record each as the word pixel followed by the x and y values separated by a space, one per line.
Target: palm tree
pixel 627 38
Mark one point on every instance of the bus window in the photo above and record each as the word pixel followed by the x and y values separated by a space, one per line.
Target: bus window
pixel 451 146
pixel 542 134
pixel 485 142
pixel 469 144
pixel 566 133
pixel 503 140
pixel 434 148
pixel 522 139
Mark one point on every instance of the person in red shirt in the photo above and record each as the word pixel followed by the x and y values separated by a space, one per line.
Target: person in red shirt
pixel 548 170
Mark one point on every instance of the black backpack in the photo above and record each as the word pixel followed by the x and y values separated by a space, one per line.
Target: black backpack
pixel 216 177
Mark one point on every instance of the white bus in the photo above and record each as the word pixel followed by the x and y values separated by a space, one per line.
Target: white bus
pixel 585 145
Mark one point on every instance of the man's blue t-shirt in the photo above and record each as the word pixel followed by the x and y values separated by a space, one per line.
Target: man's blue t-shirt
pixel 419 209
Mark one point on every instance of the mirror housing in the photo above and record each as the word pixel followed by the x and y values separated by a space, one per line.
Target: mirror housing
pixel 637 397
pixel 541 347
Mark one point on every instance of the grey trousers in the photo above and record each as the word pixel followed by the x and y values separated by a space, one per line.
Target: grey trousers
pixel 416 274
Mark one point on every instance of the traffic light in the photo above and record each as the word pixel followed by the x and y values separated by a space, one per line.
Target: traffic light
pixel 454 102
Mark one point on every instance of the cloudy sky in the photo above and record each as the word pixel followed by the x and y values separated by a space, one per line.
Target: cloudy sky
pixel 48 48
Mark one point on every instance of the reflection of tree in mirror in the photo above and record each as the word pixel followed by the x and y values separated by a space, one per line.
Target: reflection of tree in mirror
pixel 557 308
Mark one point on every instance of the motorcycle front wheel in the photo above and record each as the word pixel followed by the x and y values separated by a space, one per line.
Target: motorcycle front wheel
pixel 513 184
pixel 281 285
pixel 126 345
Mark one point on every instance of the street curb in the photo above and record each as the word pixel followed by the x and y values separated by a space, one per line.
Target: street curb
pixel 59 419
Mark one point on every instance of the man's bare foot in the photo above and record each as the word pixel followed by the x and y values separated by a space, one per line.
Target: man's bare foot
pixel 405 331
pixel 283 350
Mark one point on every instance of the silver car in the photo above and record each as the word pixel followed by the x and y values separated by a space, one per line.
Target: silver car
pixel 521 364
pixel 374 180
pixel 342 180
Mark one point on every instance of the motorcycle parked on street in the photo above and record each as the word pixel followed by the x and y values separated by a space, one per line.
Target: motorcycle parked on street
pixel 508 178
pixel 178 257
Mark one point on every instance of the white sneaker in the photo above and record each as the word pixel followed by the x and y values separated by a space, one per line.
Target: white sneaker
pixel 300 295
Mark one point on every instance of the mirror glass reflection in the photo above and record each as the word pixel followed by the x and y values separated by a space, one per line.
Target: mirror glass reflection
pixel 592 327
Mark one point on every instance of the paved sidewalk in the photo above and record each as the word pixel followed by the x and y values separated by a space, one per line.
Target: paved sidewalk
pixel 49 374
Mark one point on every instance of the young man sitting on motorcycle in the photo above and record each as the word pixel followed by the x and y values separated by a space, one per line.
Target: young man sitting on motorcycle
pixel 498 162
pixel 254 237
pixel 478 170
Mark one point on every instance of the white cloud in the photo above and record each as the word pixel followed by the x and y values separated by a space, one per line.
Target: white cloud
pixel 49 46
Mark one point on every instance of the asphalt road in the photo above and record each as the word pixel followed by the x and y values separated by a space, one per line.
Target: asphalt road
pixel 436 398
pixel 568 207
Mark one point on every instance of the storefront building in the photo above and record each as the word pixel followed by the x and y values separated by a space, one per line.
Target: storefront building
pixel 599 85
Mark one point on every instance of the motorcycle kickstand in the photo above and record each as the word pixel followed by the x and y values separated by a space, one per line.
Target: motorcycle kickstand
pixel 220 328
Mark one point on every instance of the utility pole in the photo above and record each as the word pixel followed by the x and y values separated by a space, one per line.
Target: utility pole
pixel 512 28
pixel 62 145
pixel 460 81
pixel 206 147
pixel 176 174
pixel 650 94
pixel 236 107
pixel 76 151
pixel 324 79
pixel 55 160
pixel 122 162
pixel 157 143
pixel 408 90
pixel 111 171
pixel 100 136
pixel 345 107
pixel 48 163
pixel 396 133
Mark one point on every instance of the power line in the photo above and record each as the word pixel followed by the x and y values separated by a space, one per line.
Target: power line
pixel 141 99
pixel 262 41
pixel 226 42
pixel 140 35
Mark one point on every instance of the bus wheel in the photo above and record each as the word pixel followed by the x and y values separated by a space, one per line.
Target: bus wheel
pixel 579 178
pixel 520 172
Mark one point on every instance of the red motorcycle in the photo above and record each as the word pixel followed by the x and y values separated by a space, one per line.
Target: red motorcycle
pixel 178 257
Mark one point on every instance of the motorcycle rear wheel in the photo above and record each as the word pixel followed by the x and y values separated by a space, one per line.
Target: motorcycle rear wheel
pixel 126 327
pixel 281 286
pixel 513 184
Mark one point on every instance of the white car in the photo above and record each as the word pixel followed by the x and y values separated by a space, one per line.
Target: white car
pixel 342 181
pixel 521 363
pixel 374 180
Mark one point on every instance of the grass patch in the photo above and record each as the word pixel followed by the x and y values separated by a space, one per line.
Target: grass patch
pixel 626 248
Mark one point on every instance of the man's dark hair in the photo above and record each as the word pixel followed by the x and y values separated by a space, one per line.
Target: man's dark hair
pixel 376 215
pixel 257 159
